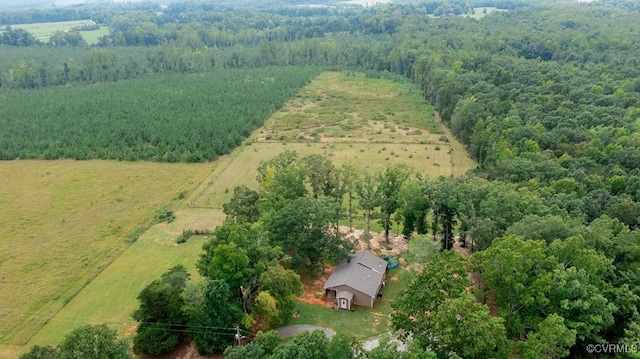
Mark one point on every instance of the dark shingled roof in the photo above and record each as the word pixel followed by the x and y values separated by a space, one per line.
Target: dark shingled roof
pixel 361 271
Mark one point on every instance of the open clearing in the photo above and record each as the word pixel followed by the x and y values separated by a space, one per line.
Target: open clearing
pixel 43 30
pixel 63 222
pixel 369 122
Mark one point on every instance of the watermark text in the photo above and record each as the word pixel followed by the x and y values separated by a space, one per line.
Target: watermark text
pixel 611 348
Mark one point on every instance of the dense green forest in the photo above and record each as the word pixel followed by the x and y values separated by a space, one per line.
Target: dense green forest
pixel 545 96
pixel 171 118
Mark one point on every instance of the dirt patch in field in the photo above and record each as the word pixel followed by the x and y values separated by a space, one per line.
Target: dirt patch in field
pixel 377 244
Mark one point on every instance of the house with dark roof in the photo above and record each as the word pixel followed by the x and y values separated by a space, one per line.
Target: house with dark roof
pixel 356 280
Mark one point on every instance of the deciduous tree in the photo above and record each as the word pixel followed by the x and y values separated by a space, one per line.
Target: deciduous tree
pixel 243 206
pixel 389 184
pixel 211 327
pixel 94 342
pixel 552 339
pixel 518 272
pixel 443 277
pixel 160 316
pixel 367 191
pixel 306 230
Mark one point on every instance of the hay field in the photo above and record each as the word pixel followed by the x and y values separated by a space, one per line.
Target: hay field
pixel 43 30
pixel 63 222
pixel 350 118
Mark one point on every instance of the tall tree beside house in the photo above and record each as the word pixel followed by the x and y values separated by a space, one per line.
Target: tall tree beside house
pixel 367 190
pixel 306 230
pixel 241 254
pixel 390 182
pixel 243 206
pixel 284 286
pixel 211 321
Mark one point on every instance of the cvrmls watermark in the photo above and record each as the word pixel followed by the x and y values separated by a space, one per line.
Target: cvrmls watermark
pixel 611 348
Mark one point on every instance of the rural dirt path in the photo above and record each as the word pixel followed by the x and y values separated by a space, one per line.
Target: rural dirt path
pixel 293 330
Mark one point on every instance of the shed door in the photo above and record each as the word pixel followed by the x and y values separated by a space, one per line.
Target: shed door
pixel 344 303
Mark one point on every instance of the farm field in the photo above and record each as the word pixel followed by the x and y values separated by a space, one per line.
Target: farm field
pixel 63 222
pixel 480 12
pixel 409 134
pixel 369 122
pixel 92 36
pixel 43 30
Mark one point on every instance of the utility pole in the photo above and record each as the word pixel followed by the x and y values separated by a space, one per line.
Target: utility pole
pixel 238 335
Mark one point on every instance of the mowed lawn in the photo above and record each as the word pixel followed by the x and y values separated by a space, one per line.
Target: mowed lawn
pixel 63 222
pixel 92 36
pixel 112 296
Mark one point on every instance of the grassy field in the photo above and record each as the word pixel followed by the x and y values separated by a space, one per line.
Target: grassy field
pixel 91 37
pixel 69 218
pixel 63 222
pixel 350 118
pixel 43 30
pixel 480 12
pixel 111 297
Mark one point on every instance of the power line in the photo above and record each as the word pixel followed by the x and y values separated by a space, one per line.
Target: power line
pixel 166 326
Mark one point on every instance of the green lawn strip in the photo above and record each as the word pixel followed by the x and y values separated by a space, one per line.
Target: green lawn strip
pixel 63 222
pixel 112 296
pixel 91 37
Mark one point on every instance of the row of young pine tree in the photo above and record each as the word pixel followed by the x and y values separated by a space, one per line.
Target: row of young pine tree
pixel 167 118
